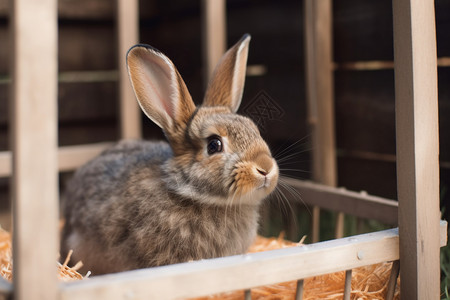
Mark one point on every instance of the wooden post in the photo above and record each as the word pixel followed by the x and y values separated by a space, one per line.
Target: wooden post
pixel 33 104
pixel 128 35
pixel 214 33
pixel 319 89
pixel 417 147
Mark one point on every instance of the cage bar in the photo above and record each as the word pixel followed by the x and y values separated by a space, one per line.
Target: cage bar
pixel 417 147
pixel 320 100
pixel 128 35
pixel 33 103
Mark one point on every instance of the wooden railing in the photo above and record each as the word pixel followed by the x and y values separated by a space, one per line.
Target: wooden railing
pixel 36 160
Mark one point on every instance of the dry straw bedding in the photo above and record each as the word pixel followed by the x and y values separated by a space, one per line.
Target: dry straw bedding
pixel 367 282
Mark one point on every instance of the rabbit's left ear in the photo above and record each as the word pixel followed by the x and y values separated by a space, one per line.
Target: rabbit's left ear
pixel 227 82
pixel 159 88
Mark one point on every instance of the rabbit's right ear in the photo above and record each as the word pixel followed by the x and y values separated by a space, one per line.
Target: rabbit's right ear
pixel 159 88
pixel 227 81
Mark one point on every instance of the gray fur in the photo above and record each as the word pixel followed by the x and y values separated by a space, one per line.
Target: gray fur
pixel 121 216
pixel 143 204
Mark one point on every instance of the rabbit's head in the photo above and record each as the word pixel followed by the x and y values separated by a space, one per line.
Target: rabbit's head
pixel 219 157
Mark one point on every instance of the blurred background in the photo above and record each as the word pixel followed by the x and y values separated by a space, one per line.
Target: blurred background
pixel 364 93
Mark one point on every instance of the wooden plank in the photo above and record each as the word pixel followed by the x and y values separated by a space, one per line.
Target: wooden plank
pixel 239 272
pixel 128 35
pixel 87 46
pixel 72 157
pixel 206 277
pixel 319 76
pixel 214 33
pixel 374 65
pixel 352 203
pixel 34 143
pixel 348 284
pixel 319 91
pixel 417 147
pixel 69 157
pixel 395 270
pixel 5 163
pixel 299 290
pixel 98 10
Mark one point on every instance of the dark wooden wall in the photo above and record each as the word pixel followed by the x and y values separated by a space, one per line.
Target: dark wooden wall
pixel 364 99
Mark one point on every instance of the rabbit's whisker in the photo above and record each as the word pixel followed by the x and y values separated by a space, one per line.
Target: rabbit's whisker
pixel 287 149
pixel 293 192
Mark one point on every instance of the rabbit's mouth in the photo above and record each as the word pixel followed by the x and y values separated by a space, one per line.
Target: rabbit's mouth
pixel 253 182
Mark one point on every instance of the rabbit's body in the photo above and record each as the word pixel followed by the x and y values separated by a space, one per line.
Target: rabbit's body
pixel 142 204
pixel 153 218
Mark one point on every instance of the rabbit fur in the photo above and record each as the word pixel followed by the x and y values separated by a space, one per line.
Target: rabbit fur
pixel 147 203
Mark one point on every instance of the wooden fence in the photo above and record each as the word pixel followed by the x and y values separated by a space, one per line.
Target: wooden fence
pixel 36 159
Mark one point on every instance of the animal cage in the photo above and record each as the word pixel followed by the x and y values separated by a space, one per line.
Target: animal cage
pixel 35 160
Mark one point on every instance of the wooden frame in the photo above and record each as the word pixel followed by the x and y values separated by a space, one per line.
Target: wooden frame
pixel 35 180
pixel 34 143
pixel 417 147
pixel 214 34
pixel 320 99
pixel 128 34
pixel 241 272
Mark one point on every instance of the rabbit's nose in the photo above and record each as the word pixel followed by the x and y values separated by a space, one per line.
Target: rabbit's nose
pixel 264 164
pixel 262 172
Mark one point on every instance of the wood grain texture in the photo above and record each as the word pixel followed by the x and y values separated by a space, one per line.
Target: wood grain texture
pixel 214 34
pixel 201 278
pixel 34 143
pixel 417 147
pixel 319 92
pixel 128 35
pixel 352 203
pixel 239 272
pixel 69 157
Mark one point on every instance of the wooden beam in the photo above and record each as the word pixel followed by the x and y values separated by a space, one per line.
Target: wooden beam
pixel 128 35
pixel 319 94
pixel 353 203
pixel 417 147
pixel 69 157
pixel 319 76
pixel 207 277
pixel 34 142
pixel 72 157
pixel 214 34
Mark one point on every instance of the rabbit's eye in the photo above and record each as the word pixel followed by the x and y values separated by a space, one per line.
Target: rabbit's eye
pixel 214 144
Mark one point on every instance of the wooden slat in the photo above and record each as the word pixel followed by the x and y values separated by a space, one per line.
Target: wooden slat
pixel 128 35
pixel 348 284
pixel 214 33
pixel 69 157
pixel 242 272
pixel 417 147
pixel 299 290
pixel 34 143
pixel 239 272
pixel 395 270
pixel 319 91
pixel 374 65
pixel 72 157
pixel 352 203
pixel 5 163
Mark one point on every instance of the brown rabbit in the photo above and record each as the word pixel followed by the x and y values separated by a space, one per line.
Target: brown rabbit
pixel 142 204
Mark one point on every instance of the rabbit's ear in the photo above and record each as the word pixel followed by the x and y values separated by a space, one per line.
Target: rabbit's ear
pixel 227 82
pixel 159 88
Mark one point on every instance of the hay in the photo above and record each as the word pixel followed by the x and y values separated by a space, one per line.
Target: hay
pixel 367 282
pixel 65 273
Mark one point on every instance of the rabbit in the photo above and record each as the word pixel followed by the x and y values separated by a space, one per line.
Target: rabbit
pixel 151 203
